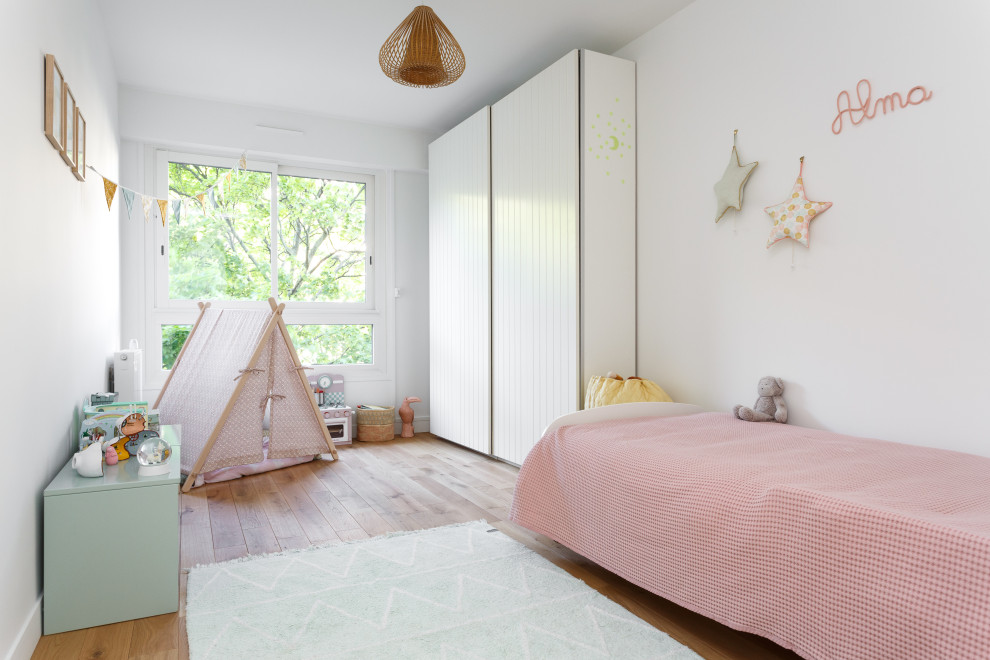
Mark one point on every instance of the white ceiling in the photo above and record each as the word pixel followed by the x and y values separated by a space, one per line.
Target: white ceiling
pixel 321 56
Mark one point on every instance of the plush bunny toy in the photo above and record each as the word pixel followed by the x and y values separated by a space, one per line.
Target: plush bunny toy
pixel 770 407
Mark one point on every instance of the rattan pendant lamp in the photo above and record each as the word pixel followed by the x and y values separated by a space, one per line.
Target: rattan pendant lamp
pixel 422 52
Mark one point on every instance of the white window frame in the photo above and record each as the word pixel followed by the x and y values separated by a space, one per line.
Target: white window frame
pixel 375 310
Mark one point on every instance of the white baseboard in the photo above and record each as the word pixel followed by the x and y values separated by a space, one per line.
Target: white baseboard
pixel 27 640
pixel 420 425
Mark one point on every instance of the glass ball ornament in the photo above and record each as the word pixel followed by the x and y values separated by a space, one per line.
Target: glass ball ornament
pixel 153 455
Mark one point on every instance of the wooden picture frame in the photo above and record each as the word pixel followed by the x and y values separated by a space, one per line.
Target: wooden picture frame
pixel 69 127
pixel 54 104
pixel 80 167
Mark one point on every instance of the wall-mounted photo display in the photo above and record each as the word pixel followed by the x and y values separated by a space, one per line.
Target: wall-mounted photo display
pixel 69 152
pixel 65 126
pixel 80 169
pixel 54 104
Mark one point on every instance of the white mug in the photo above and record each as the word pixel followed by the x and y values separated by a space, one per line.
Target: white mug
pixel 89 461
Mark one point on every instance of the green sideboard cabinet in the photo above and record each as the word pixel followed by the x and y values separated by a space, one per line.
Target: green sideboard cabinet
pixel 111 544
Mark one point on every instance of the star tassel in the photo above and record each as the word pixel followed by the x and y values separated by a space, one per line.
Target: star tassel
pixel 729 189
pixel 792 217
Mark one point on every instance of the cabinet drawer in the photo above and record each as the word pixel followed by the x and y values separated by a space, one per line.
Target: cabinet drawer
pixel 110 555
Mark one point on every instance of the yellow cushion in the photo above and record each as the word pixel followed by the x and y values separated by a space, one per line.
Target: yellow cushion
pixel 604 391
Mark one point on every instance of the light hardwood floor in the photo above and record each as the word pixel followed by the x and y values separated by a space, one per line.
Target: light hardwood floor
pixel 375 488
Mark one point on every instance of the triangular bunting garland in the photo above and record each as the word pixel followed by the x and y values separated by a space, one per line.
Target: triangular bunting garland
pixel 128 196
pixel 163 205
pixel 110 190
pixel 109 187
pixel 146 203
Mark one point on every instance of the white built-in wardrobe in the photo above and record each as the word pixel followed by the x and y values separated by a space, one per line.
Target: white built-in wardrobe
pixel 532 254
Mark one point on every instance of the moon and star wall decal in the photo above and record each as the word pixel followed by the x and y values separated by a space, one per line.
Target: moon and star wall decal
pixel 610 141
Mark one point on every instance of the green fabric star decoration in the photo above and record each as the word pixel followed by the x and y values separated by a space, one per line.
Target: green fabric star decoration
pixel 729 189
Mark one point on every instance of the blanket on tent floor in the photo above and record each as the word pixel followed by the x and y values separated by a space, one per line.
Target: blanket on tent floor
pixel 833 546
pixel 238 471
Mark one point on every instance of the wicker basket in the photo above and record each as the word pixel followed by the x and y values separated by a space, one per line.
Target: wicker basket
pixel 375 424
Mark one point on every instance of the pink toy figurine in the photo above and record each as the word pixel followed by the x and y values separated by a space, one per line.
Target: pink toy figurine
pixel 406 414
pixel 111 454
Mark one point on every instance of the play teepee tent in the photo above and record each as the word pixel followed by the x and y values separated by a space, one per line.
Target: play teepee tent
pixel 234 365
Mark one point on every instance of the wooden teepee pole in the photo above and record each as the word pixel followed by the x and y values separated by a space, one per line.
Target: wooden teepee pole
pixel 272 324
pixel 202 310
pixel 302 377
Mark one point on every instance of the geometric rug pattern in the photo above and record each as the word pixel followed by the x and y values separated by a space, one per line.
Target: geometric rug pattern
pixel 457 592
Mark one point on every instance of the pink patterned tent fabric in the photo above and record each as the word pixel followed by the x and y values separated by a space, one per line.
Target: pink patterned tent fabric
pixel 296 430
pixel 203 381
pixel 240 438
pixel 833 546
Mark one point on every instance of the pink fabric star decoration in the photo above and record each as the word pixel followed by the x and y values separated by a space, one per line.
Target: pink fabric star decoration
pixel 792 218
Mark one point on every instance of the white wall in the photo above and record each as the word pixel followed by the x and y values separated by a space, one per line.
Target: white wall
pixel 59 263
pixel 150 120
pixel 412 307
pixel 880 328
pixel 190 123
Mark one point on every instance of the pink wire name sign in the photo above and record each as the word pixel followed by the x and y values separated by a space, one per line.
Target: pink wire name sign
pixel 868 109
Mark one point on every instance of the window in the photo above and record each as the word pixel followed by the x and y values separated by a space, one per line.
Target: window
pixel 173 336
pixel 241 235
pixel 321 239
pixel 332 344
pixel 219 247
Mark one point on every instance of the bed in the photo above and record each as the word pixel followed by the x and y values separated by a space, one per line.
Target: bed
pixel 830 545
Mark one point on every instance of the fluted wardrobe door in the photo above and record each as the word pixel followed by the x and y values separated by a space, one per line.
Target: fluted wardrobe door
pixel 460 322
pixel 608 216
pixel 535 276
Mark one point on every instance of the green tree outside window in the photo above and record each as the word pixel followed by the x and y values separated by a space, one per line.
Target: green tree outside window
pixel 220 247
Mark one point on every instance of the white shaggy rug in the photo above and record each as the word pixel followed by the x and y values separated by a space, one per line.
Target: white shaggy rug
pixel 463 591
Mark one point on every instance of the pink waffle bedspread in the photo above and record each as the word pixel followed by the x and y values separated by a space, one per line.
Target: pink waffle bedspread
pixel 833 546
